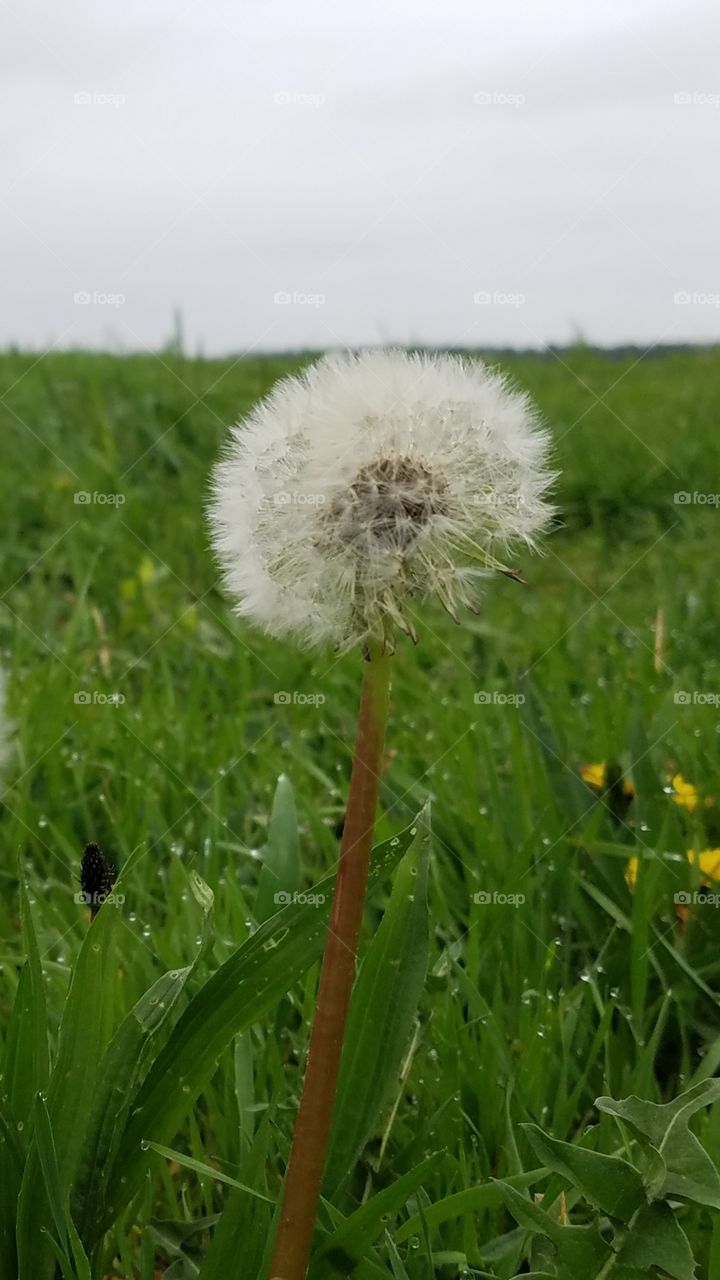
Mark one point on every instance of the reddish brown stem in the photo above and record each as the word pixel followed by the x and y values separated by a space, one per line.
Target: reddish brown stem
pixel 312 1126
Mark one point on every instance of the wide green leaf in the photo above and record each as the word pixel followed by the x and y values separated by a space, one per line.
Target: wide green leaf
pixel 656 1240
pixel 83 1035
pixel 608 1183
pixel 25 1071
pixel 690 1172
pixel 578 1251
pixel 382 1010
pixel 252 980
pixel 116 1086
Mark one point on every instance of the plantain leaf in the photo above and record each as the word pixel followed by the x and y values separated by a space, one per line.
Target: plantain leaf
pixel 252 980
pixel 51 1173
pixel 83 1035
pixel 116 1085
pixel 382 1011
pixel 25 1070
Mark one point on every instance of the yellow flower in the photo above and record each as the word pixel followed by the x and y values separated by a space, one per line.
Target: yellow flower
pixel 707 860
pixel 684 793
pixel 594 774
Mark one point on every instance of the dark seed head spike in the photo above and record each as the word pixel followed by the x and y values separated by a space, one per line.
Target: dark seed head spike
pixel 97 877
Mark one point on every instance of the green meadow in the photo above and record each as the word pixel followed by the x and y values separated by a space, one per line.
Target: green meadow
pixel 154 1059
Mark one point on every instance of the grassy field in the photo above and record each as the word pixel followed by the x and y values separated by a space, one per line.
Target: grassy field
pixel 578 986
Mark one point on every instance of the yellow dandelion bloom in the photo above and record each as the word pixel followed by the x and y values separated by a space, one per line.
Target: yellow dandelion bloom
pixel 684 793
pixel 708 860
pixel 631 871
pixel 594 774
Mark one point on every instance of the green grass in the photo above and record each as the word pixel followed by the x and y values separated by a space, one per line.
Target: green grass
pixel 530 1011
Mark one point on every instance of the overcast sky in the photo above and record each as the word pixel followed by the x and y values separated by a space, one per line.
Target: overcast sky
pixel 319 174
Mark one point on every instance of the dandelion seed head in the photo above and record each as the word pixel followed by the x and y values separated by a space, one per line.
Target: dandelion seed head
pixel 369 481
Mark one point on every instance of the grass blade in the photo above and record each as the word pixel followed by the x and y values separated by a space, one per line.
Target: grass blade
pixel 281 870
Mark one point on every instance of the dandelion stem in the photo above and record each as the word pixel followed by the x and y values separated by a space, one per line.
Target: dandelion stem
pixel 312 1126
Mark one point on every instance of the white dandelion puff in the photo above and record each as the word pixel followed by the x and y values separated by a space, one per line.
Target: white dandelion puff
pixel 369 481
